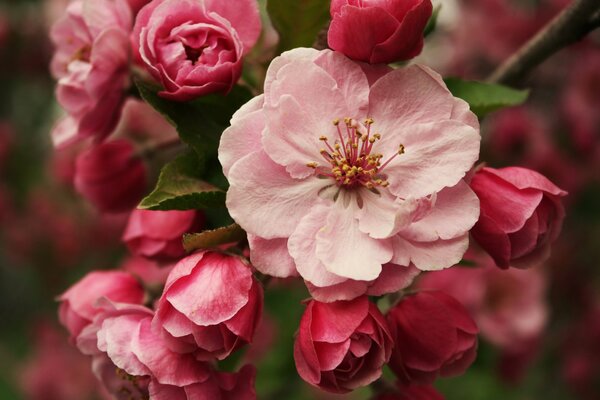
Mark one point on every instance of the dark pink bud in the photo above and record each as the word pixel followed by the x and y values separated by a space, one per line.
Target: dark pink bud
pixel 342 346
pixel 434 335
pixel 111 176
pixel 158 234
pixel 521 215
pixel 378 31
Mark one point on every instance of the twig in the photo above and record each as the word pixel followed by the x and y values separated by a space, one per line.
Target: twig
pixel 571 25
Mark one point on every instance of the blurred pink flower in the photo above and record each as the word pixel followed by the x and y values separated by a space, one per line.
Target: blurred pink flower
pixel 91 63
pixel 351 206
pixel 56 370
pixel 342 346
pixel 78 303
pixel 195 47
pixel 111 175
pixel 210 306
pixel 508 305
pixel 378 31
pixel 433 335
pixel 158 234
pixel 521 215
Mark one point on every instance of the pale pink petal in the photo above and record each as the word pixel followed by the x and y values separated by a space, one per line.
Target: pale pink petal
pixel 392 279
pixel 346 290
pixel 429 256
pixel 455 212
pixel 116 339
pixel 271 256
pixel 265 200
pixel 244 135
pixel 382 214
pixel 302 246
pixel 346 251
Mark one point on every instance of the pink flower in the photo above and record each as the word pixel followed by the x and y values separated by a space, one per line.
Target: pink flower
pixel 224 386
pixel 111 176
pixel 195 47
pixel 91 64
pixel 158 234
pixel 378 31
pixel 210 306
pixel 78 304
pixel 148 271
pixel 342 346
pixel 508 306
pixel 433 335
pixel 521 215
pixel 352 207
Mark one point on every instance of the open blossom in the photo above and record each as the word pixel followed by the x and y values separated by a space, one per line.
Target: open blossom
pixel 111 176
pixel 195 47
pixel 210 306
pixel 342 346
pixel 350 175
pixel 158 234
pixel 521 215
pixel 91 64
pixel 78 304
pixel 378 31
pixel 433 335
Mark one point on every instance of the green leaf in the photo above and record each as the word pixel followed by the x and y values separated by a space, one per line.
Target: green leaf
pixel 199 122
pixel 485 98
pixel 179 187
pixel 298 21
pixel 213 238
pixel 432 23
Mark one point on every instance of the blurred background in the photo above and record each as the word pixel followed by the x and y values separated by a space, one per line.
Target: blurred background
pixel 50 237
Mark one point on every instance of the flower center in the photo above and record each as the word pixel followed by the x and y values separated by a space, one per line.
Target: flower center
pixel 193 54
pixel 351 160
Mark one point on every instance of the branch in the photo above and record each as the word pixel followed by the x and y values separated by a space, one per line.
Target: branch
pixel 571 25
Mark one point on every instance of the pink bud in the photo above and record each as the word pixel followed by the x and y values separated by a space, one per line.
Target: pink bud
pixel 521 215
pixel 78 304
pixel 210 306
pixel 434 335
pixel 195 47
pixel 342 346
pixel 158 234
pixel 378 31
pixel 111 176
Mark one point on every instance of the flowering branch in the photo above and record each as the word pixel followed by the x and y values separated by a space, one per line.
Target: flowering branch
pixel 571 25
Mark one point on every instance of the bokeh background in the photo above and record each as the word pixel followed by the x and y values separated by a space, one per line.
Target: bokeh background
pixel 50 237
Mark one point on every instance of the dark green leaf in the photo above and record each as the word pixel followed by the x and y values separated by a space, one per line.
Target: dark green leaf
pixel 179 187
pixel 199 122
pixel 298 21
pixel 485 98
pixel 214 238
pixel 432 23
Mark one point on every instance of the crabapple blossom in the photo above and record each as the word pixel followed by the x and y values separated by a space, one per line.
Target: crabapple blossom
pixel 378 31
pixel 157 234
pixel 433 335
pixel 521 215
pixel 210 306
pixel 111 176
pixel 91 63
pixel 350 175
pixel 78 303
pixel 342 345
pixel 195 47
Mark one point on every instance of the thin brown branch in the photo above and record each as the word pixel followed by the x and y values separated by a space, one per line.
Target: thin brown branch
pixel 571 25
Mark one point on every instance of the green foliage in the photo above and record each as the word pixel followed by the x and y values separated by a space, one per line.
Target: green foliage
pixel 298 21
pixel 432 23
pixel 179 187
pixel 209 239
pixel 485 98
pixel 200 122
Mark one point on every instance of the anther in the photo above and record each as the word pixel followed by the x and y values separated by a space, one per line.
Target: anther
pixel 312 165
pixel 401 149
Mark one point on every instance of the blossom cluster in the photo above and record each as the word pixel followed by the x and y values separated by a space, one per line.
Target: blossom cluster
pixel 344 172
